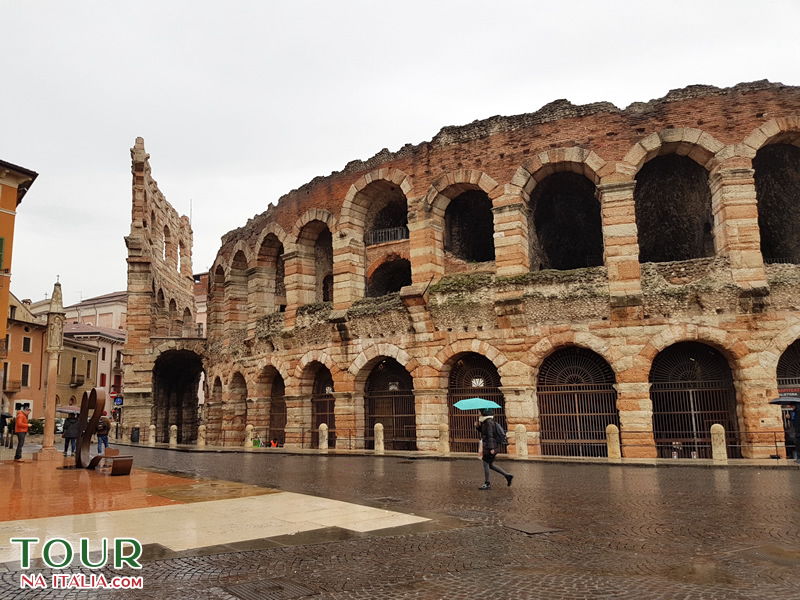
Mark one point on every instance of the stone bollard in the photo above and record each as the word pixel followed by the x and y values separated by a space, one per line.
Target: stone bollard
pixel 248 437
pixel 173 436
pixel 612 441
pixel 719 450
pixel 521 441
pixel 151 435
pixel 444 438
pixel 378 438
pixel 201 436
pixel 323 437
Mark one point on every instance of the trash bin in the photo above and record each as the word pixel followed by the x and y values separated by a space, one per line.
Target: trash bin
pixel 134 435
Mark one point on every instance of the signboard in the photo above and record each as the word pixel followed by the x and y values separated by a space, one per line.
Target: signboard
pixel 118 401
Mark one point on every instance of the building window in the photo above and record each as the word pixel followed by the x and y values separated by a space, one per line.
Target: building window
pixel 89 369
pixel 58 365
pixel 12 312
pixel 103 353
pixel 5 374
pixel 74 365
pixel 102 380
pixel 26 376
pixel 26 344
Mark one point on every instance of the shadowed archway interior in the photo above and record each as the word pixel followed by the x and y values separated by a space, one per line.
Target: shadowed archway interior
pixel 176 375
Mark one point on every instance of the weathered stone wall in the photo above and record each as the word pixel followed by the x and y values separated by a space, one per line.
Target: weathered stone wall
pixel 507 310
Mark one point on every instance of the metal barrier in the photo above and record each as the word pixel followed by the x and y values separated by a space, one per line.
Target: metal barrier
pixel 380 236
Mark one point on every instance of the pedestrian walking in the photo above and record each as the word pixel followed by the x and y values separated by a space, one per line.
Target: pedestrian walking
pixel 72 429
pixel 492 435
pixel 21 429
pixel 3 419
pixel 103 429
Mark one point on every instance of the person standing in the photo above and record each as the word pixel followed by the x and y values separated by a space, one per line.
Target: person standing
pixel 21 429
pixel 103 429
pixel 72 430
pixel 492 435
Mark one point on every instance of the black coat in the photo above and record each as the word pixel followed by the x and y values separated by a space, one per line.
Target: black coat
pixel 489 434
pixel 72 428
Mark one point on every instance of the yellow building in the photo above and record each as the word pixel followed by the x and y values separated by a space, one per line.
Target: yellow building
pixel 14 183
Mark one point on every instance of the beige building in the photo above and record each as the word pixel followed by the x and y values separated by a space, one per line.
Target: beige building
pixel 109 310
pixel 109 344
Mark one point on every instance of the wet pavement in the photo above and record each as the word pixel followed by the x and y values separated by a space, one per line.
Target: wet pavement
pixel 561 531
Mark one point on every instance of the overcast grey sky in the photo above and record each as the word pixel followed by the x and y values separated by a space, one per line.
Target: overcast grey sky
pixel 241 101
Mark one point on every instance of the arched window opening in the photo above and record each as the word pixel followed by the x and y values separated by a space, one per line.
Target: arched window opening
pixel 167 248
pixel 323 406
pixel 777 175
pixel 316 255
pixel 236 292
pixel 216 301
pixel 389 400
pixel 176 375
pixel 673 210
pixel 469 227
pixel 270 264
pixel 472 375
pixel 188 324
pixel 387 213
pixel 577 401
pixel 173 324
pixel 691 388
pixel 234 412
pixel 566 218
pixel 389 278
pixel 788 373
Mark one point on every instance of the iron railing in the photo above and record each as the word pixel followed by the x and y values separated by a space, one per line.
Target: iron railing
pixel 463 435
pixel 395 411
pixel 380 236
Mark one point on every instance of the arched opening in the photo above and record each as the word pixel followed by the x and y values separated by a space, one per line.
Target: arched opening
pixel 777 175
pixel 389 278
pixel 389 400
pixel 386 218
pixel 188 324
pixel 316 256
pixel 176 375
pixel 788 373
pixel 577 401
pixel 471 375
pixel 167 247
pixel 236 292
pixel 215 316
pixel 234 412
pixel 270 261
pixel 277 410
pixel 691 388
pixel 566 218
pixel 469 227
pixel 213 414
pixel 673 210
pixel 323 404
pixel 174 325
pixel 161 317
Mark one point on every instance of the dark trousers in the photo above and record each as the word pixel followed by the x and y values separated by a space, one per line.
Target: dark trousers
pixel 70 443
pixel 20 443
pixel 488 463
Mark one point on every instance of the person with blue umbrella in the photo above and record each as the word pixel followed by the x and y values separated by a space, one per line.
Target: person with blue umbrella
pixel 492 437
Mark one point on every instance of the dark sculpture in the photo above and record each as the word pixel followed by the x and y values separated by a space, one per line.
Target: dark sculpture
pixel 93 402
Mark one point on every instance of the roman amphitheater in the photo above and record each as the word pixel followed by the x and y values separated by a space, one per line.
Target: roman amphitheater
pixel 583 266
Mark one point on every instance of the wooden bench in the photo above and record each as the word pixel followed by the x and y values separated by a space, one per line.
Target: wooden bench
pixel 120 465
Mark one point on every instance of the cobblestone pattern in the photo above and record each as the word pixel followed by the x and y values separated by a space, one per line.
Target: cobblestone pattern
pixel 626 532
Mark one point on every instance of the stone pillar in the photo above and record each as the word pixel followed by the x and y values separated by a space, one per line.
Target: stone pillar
pixel 521 441
pixel 151 435
pixel 294 284
pixel 736 233
pixel 248 437
pixel 636 418
pixel 612 442
pixel 760 423
pixel 348 269
pixel 444 438
pixel 323 437
pixel 201 436
pixel 621 248
pixel 426 243
pixel 719 451
pixel 349 430
pixel 173 436
pixel 55 343
pixel 378 438
pixel 298 421
pixel 520 407
pixel 511 247
pixel 430 408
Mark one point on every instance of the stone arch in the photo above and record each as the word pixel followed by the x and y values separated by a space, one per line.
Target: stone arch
pixel 368 358
pixel 549 344
pixel 783 130
pixel 271 229
pixel 320 356
pixel 558 160
pixel 187 322
pixel 698 145
pixel 314 257
pixel 355 205
pixel 234 410
pixel 768 359
pixel 270 413
pixel 236 291
pixel 247 253
pixel 445 358
pixel 314 214
pixel 175 379
pixel 448 186
pixel 267 280
pixel 389 277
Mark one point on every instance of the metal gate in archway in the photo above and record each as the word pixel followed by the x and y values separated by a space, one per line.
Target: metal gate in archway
pixel 323 407
pixel 277 411
pixel 472 376
pixel 389 400
pixel 691 388
pixel 577 401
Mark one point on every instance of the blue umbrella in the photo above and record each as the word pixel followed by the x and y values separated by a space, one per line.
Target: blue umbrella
pixel 475 403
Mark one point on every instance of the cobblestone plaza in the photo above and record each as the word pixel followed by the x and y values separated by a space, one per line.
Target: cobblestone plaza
pixel 561 531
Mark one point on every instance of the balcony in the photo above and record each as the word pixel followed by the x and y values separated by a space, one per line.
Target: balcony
pixel 76 380
pixel 12 385
pixel 380 236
